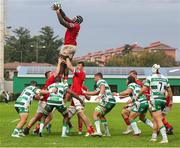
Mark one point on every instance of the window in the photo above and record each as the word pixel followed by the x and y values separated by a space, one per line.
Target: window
pixel 15 74
pixel 113 88
pixel 175 90
pixel 6 75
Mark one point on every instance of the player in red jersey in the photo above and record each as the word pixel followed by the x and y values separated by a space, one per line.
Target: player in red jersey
pixel 77 87
pixel 50 76
pixel 73 28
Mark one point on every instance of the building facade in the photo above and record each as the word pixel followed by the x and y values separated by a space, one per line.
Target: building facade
pixel 101 57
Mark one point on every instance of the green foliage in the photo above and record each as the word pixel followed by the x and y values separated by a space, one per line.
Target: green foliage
pixel 41 48
pixel 142 59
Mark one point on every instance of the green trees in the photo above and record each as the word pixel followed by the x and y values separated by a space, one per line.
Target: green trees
pixel 40 48
pixel 142 59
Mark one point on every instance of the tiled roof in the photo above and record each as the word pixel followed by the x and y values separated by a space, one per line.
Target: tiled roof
pixel 14 65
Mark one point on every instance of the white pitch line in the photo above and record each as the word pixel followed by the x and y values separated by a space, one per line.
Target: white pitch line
pixel 14 120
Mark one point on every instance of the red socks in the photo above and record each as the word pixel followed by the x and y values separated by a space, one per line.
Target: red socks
pixel 127 121
pixel 90 130
pixel 80 124
pixel 166 124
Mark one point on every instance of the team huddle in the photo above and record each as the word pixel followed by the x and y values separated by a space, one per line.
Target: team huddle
pixel 153 95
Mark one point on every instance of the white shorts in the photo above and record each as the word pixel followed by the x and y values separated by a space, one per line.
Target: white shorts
pixel 68 50
pixel 78 107
pixel 41 106
pixel 166 110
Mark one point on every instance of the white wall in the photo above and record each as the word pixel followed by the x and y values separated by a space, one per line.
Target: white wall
pixel 8 86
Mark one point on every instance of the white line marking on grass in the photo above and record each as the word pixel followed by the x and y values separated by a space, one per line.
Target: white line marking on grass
pixel 14 120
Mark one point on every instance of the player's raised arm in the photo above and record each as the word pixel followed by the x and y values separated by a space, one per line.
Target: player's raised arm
pixel 69 65
pixel 58 67
pixel 65 17
pixel 62 21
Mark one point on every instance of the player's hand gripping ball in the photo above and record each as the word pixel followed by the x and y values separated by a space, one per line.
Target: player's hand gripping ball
pixel 56 6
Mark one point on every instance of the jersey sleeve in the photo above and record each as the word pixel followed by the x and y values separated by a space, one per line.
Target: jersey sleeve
pixel 36 90
pixel 148 81
pixel 131 86
pixel 99 84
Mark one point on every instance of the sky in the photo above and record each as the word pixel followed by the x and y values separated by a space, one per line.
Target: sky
pixel 107 23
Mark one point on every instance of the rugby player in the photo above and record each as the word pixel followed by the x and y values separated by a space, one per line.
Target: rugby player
pixel 79 76
pixel 56 100
pixel 50 76
pixel 22 105
pixel 106 103
pixel 158 86
pixel 140 106
pixel 73 28
pixel 127 109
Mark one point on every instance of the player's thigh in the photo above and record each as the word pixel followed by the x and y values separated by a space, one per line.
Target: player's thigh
pixel 158 105
pixel 157 115
pixel 48 109
pixel 79 107
pixel 108 107
pixel 62 109
pixel 125 112
pixel 143 108
pixel 71 111
pixel 41 106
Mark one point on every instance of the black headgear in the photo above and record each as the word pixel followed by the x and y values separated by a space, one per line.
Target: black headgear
pixel 79 19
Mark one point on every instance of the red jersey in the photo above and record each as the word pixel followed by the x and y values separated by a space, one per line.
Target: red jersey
pixel 168 101
pixel 71 34
pixel 84 88
pixel 49 81
pixel 78 80
pixel 139 82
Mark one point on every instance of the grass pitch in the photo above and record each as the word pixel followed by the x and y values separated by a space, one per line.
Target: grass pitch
pixel 9 118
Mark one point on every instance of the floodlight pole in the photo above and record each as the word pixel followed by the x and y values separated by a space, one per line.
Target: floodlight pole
pixel 2 35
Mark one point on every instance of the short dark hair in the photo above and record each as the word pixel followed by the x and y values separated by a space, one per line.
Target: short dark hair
pixel 46 74
pixel 99 74
pixel 82 63
pixel 131 79
pixel 133 72
pixel 34 83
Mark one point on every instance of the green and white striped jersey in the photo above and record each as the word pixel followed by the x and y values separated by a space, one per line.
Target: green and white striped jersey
pixel 158 85
pixel 107 97
pixel 26 97
pixel 136 89
pixel 57 98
